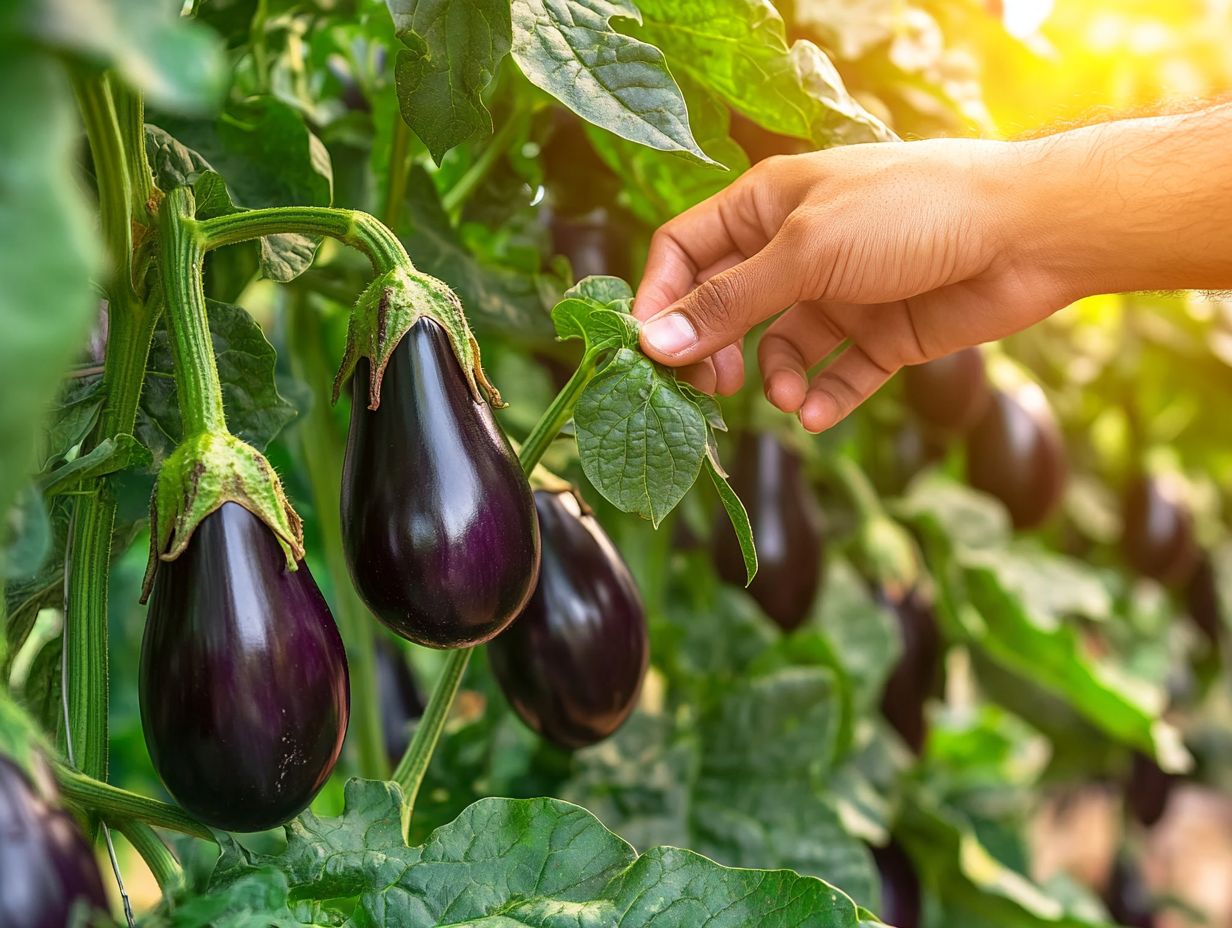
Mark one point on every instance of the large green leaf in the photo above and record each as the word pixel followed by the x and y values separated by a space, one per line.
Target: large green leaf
pixel 569 49
pixel 452 52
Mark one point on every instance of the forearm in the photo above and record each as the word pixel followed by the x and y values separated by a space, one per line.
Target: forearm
pixel 1140 204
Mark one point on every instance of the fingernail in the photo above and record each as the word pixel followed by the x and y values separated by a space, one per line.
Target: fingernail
pixel 670 334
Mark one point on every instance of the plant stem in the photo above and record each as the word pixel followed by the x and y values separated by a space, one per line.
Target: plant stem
pixel 115 804
pixel 395 190
pixel 859 490
pixel 256 39
pixel 196 372
pixel 157 856
pixel 130 112
pixel 351 227
pixel 319 440
pixel 457 195
pixel 557 414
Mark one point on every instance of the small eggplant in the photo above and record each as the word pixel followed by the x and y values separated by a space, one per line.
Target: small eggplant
pixel 438 523
pixel 1158 538
pixel 917 674
pixel 787 529
pixel 572 664
pixel 1148 790
pixel 1016 453
pixel 949 394
pixel 1203 603
pixel 399 698
pixel 596 243
pixel 47 870
pixel 1128 897
pixel 244 684
pixel 900 887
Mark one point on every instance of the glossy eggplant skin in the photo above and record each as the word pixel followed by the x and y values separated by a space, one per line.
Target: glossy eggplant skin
pixel 1128 897
pixel 900 887
pixel 948 394
pixel 788 530
pixel 1016 453
pixel 438 523
pixel 917 674
pixel 1158 533
pixel 47 870
pixel 573 662
pixel 244 684
pixel 399 698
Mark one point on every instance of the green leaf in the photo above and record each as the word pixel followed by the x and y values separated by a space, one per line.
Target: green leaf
pixel 107 457
pixel 599 327
pixel 735 511
pixel 641 440
pixel 47 250
pixel 25 535
pixel 452 53
pixel 569 49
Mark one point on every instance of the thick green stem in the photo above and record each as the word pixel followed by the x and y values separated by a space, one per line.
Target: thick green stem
pixel 196 372
pixel 351 227
pixel 114 804
pixel 859 490
pixel 469 182
pixel 130 112
pixel 157 856
pixel 322 453
pixel 557 414
pixel 395 191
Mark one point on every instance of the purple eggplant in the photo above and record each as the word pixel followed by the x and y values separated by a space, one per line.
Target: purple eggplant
pixel 1128 897
pixel 1203 603
pixel 948 394
pixel 1158 537
pixel 918 672
pixel 787 529
pixel 572 664
pixel 900 886
pixel 244 685
pixel 47 870
pixel 438 522
pixel 1148 790
pixel 399 698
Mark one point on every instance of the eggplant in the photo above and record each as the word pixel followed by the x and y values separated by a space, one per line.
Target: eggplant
pixel 572 664
pixel 909 451
pixel 48 874
pixel 1016 453
pixel 900 886
pixel 244 684
pixel 1127 896
pixel 917 674
pixel 1202 602
pixel 596 243
pixel 1158 532
pixel 787 529
pixel 1148 790
pixel 399 698
pixel 949 394
pixel 438 523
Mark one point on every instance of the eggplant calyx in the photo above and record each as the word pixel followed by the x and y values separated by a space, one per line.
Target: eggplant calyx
pixel 386 311
pixel 888 555
pixel 205 471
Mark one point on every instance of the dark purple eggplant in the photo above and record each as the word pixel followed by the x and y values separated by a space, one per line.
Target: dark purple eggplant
pixel 917 674
pixel 1016 453
pixel 437 518
pixel 573 662
pixel 900 886
pixel 1147 790
pixel 399 698
pixel 787 529
pixel 1202 601
pixel 47 870
pixel 1158 533
pixel 244 685
pixel 909 450
pixel 1128 898
pixel 596 243
pixel 949 394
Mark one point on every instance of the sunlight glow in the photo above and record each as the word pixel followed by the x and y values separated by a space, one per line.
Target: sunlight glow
pixel 1023 18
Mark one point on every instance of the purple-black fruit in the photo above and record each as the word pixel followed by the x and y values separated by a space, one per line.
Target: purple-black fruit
pixel 948 394
pixel 573 662
pixel 47 870
pixel 1016 453
pixel 596 243
pixel 1148 789
pixel 244 685
pixel 399 698
pixel 1203 603
pixel 787 529
pixel 918 672
pixel 1129 899
pixel 900 886
pixel 1158 537
pixel 438 523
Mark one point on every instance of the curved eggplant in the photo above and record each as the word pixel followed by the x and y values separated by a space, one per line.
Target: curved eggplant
pixel 244 684
pixel 787 528
pixel 900 886
pixel 918 672
pixel 1016 453
pixel 399 698
pixel 1158 537
pixel 572 664
pixel 949 394
pixel 47 870
pixel 437 518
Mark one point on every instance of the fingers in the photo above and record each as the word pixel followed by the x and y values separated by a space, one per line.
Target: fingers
pixel 840 388
pixel 792 344
pixel 729 370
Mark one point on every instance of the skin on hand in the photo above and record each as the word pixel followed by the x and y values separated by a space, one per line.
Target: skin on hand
pixel 904 252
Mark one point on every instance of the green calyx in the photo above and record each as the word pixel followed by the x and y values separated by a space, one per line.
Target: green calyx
pixel 888 555
pixel 205 471
pixel 385 312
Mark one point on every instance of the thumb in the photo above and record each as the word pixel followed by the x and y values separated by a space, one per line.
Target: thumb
pixel 719 311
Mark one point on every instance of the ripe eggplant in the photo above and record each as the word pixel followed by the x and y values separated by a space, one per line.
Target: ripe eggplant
pixel 787 528
pixel 572 664
pixel 1158 537
pixel 244 685
pixel 1016 453
pixel 596 243
pixel 1148 790
pixel 917 674
pixel 437 518
pixel 900 886
pixel 1202 601
pixel 1129 899
pixel 399 698
pixel 47 870
pixel 949 394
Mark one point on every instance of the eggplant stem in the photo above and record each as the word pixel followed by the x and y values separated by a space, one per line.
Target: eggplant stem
pixel 157 856
pixel 457 195
pixel 396 189
pixel 115 804
pixel 858 488
pixel 558 414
